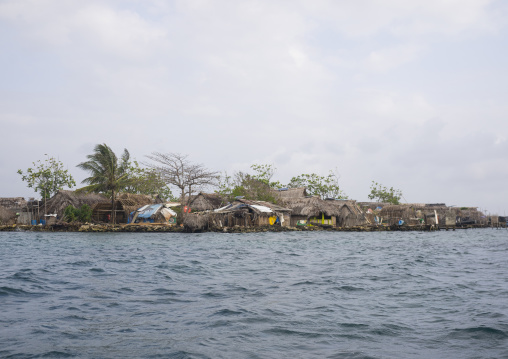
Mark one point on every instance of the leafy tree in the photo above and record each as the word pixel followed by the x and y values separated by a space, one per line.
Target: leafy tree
pixel 252 188
pixel 256 186
pixel 108 174
pixel 264 173
pixel 47 177
pixel 147 181
pixel 323 186
pixel 383 194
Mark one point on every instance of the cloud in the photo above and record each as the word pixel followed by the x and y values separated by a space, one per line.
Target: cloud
pixel 307 86
pixel 389 58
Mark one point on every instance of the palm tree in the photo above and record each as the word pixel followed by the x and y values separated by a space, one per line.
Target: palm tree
pixel 107 174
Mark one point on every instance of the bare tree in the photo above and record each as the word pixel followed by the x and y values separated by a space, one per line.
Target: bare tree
pixel 175 169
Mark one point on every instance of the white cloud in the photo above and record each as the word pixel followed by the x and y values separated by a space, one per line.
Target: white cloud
pixel 307 86
pixel 389 58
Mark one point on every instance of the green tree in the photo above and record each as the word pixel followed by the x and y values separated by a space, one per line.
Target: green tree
pixel 380 193
pixel 85 213
pixel 70 214
pixel 108 174
pixel 82 214
pixel 316 185
pixel 254 186
pixel 264 173
pixel 147 181
pixel 47 177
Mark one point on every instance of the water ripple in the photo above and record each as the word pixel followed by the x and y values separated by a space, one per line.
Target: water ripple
pixel 261 295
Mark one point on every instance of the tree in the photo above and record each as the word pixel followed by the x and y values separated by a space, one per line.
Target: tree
pixel 47 177
pixel 323 186
pixel 108 174
pixel 147 181
pixel 82 214
pixel 253 188
pixel 256 186
pixel 264 173
pixel 383 194
pixel 176 170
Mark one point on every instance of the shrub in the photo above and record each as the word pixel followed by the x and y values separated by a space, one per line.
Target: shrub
pixel 83 214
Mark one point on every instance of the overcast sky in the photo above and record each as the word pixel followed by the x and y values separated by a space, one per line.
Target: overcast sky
pixel 411 94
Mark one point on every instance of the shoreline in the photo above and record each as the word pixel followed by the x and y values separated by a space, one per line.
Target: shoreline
pixel 108 228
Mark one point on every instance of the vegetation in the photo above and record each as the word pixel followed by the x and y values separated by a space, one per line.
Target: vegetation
pixel 47 177
pixel 260 186
pixel 81 214
pixel 380 193
pixel 323 186
pixel 256 186
pixel 108 174
pixel 176 170
pixel 147 181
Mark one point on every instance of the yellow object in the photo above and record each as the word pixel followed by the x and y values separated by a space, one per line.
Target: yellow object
pixel 272 220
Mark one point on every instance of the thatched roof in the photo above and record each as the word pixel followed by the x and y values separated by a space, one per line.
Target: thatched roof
pixel 313 206
pixel 206 201
pixel 62 199
pixel 13 202
pixel 284 193
pixel 131 202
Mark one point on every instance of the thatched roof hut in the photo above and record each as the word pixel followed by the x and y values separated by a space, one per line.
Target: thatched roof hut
pixel 242 213
pixel 13 202
pixel 63 198
pixel 471 215
pixel 311 207
pixel 341 213
pixel 7 216
pixel 206 201
pixel 125 204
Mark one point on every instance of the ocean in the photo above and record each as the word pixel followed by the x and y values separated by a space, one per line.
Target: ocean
pixel 257 295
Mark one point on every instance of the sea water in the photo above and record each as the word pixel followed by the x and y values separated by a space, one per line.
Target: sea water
pixel 259 295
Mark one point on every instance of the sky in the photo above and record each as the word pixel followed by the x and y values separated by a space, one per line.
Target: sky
pixel 410 94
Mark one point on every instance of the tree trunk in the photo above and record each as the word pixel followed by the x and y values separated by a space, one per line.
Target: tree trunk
pixel 182 200
pixel 113 211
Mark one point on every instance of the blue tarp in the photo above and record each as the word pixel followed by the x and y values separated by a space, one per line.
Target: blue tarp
pixel 149 211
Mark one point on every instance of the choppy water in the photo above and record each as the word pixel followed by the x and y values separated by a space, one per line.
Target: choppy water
pixel 270 295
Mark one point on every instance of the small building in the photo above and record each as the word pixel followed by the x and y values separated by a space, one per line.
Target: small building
pixel 14 203
pixel 330 212
pixel 241 213
pixel 24 211
pixel 290 193
pixel 7 216
pixel 64 198
pixel 206 201
pixel 125 204
pixel 156 213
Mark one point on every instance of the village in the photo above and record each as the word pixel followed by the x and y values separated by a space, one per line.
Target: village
pixel 120 195
pixel 293 209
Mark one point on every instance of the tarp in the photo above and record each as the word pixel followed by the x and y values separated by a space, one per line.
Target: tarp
pixel 148 211
pixel 168 213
